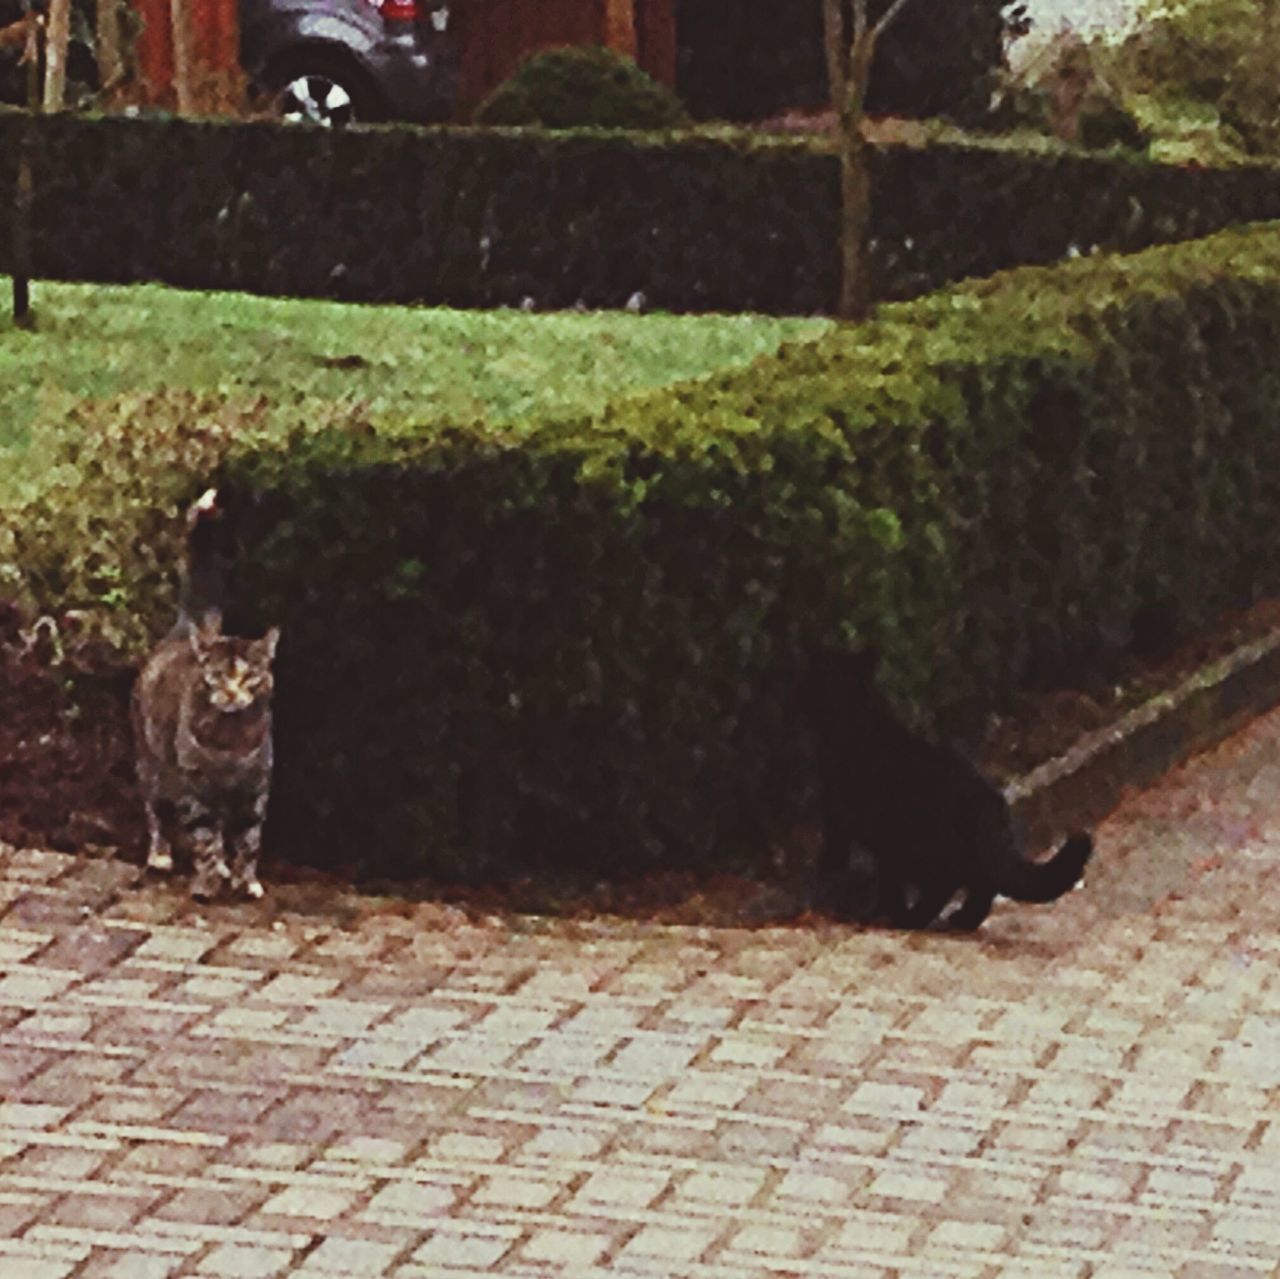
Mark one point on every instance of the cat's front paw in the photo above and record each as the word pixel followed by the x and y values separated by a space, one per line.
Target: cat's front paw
pixel 254 889
pixel 161 860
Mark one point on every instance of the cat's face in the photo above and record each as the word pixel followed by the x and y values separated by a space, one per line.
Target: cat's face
pixel 236 672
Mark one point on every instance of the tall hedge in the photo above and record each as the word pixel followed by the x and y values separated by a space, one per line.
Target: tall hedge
pixel 583 639
pixel 492 218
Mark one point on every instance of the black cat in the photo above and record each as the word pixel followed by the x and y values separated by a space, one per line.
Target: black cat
pixel 933 824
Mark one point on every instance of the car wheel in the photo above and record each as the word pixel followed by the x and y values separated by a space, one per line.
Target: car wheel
pixel 314 88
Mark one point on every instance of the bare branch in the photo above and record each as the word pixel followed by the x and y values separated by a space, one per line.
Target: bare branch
pixel 889 14
pixel 859 22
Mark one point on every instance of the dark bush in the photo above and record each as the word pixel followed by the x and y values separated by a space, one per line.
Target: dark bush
pixel 582 87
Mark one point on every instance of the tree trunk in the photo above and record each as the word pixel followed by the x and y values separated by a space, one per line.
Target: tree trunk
pixel 183 55
pixel 109 47
pixel 849 53
pixel 55 66
pixel 24 187
pixel 855 227
pixel 620 26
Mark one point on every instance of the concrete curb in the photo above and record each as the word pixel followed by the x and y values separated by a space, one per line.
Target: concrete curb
pixel 1081 786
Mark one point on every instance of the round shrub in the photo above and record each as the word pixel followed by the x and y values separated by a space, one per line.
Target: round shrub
pixel 579 87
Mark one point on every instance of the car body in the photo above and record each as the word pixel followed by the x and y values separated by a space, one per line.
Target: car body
pixel 337 61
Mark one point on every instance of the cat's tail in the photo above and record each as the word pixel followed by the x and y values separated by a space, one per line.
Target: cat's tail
pixel 202 576
pixel 1027 881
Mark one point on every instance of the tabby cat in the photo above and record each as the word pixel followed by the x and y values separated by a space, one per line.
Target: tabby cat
pixel 202 728
pixel 935 827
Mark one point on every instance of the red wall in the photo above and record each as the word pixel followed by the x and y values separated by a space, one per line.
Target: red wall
pixel 494 35
pixel 216 33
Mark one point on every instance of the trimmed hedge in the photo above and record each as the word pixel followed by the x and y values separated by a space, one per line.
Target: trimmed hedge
pixel 490 218
pixel 581 640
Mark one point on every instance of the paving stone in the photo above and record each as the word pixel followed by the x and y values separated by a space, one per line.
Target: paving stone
pixel 148 1160
pixel 112 1264
pixel 213 1204
pixel 669 1245
pixel 567 1250
pixel 98 1212
pixel 21 1114
pixel 71 1163
pixel 505 1191
pixel 42 1267
pixel 319 1203
pixel 128 1105
pixel 820 1188
pixel 407 1203
pixel 457 1247
pixel 723 1188
pixel 622 1188
pixel 243 1261
pixel 181 944
pixel 562 1142
pixel 91 950
pixel 356 1258
pixel 227 1113
pixel 250 1153
pixel 774 1242
pixel 917 1186
pixel 372 1152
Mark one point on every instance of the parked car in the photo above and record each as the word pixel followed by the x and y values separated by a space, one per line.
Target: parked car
pixel 332 62
pixel 323 61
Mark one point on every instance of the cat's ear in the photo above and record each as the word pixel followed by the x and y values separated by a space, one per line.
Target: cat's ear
pixel 269 642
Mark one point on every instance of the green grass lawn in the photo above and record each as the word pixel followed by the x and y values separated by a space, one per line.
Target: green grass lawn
pixel 399 364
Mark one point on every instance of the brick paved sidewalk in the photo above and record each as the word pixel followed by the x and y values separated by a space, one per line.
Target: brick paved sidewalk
pixel 323 1085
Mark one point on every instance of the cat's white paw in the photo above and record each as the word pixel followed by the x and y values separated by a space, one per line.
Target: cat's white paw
pixel 254 889
pixel 160 859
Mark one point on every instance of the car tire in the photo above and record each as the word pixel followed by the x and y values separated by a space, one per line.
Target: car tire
pixel 315 86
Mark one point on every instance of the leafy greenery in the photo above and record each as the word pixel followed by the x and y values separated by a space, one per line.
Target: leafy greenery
pixel 582 86
pixel 1193 82
pixel 1219 54
pixel 583 638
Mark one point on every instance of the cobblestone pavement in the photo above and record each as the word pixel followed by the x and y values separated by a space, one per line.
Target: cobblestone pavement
pixel 322 1085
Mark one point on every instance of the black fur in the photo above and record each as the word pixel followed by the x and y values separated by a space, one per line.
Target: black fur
pixel 933 824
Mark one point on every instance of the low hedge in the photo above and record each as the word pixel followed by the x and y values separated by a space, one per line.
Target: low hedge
pixel 491 217
pixel 582 639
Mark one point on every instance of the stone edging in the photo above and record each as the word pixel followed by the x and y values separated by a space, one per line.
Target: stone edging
pixel 1084 783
